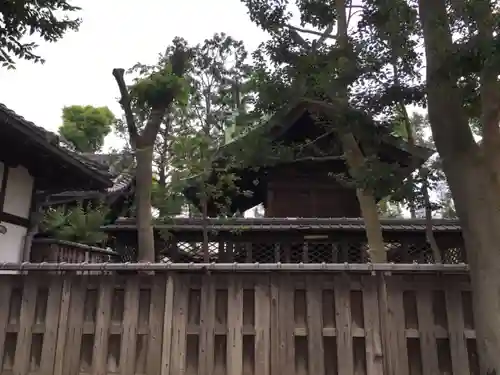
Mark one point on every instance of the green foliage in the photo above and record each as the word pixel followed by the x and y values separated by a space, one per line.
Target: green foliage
pixel 85 127
pixel 430 176
pixel 221 89
pixel 390 209
pixel 155 86
pixel 298 61
pixel 152 90
pixel 215 95
pixel 378 70
pixel 167 199
pixel 50 19
pixel 78 224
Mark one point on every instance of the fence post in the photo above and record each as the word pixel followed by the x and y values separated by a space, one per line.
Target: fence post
pixel 383 310
pixel 62 325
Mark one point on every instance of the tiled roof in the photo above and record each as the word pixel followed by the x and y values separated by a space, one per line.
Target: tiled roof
pixel 115 163
pixel 106 162
pixel 50 141
pixel 343 224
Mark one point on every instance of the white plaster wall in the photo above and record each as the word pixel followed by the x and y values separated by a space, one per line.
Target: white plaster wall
pixel 11 243
pixel 17 202
pixel 19 192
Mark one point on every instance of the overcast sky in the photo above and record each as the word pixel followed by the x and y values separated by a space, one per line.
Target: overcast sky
pixel 114 33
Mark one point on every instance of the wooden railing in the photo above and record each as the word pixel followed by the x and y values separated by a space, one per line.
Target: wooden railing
pixel 58 251
pixel 262 323
pixel 273 240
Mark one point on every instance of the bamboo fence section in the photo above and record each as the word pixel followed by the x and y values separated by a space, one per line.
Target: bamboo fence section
pixel 253 323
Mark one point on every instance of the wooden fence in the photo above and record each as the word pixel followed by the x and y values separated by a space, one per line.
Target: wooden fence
pixel 236 324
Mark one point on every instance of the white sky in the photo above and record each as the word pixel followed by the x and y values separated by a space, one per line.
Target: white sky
pixel 114 33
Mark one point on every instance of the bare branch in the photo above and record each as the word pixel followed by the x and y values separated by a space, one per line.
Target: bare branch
pixel 125 102
pixel 326 34
pixel 323 35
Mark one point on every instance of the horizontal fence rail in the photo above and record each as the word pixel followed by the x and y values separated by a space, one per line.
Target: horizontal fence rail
pixel 231 267
pixel 256 323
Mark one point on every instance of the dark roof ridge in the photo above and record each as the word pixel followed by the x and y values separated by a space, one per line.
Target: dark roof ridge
pixel 50 141
pixel 182 223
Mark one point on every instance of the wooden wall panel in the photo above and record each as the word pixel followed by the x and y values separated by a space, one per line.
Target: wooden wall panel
pixel 237 324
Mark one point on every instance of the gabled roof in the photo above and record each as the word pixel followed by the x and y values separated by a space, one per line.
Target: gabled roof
pixel 48 144
pixel 121 168
pixel 277 127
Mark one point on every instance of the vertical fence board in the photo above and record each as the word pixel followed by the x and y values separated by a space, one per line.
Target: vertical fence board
pixel 130 320
pixel 396 342
pixel 458 348
pixel 262 326
pixel 156 320
pixel 373 336
pixel 168 318
pixel 235 327
pixel 274 330
pixel 178 357
pixel 207 323
pixel 75 326
pixel 314 310
pixel 287 323
pixel 344 325
pixel 5 293
pixel 63 324
pixel 51 325
pixel 428 346
pixel 23 346
pixel 103 320
pixel 386 327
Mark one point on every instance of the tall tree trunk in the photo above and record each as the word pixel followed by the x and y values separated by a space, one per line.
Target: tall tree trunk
pixel 411 141
pixel 205 222
pixel 477 199
pixel 144 178
pixel 429 233
pixel 367 202
pixel 472 181
pixel 143 145
pixel 423 172
pixel 355 158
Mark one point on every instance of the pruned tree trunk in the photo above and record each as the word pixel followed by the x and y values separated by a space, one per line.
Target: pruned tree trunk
pixel 472 179
pixel 355 158
pixel 143 145
pixel 145 234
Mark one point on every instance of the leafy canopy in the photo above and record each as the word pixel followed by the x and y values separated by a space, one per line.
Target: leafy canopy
pixel 85 127
pixel 48 19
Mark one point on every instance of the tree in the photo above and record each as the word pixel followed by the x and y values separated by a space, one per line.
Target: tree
pixel 85 127
pixel 49 19
pixel 217 78
pixel 461 40
pixel 462 83
pixel 347 73
pixel 220 80
pixel 145 105
pixel 212 170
